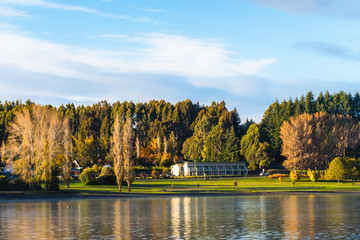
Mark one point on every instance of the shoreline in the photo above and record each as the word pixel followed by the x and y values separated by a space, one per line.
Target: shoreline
pixel 49 196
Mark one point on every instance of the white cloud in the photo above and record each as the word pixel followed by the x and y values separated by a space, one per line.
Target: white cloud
pixel 67 7
pixel 11 12
pixel 159 67
pixel 5 26
pixel 194 59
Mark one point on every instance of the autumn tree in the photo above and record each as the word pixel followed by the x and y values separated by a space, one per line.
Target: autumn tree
pixel 298 142
pixel 150 153
pixel 312 140
pixel 36 140
pixel 67 157
pixel 117 152
pixel 128 152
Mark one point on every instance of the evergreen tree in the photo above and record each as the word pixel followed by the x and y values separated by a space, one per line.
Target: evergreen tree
pixel 254 151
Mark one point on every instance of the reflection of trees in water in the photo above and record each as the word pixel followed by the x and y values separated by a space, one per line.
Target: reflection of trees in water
pixel 283 216
pixel 324 216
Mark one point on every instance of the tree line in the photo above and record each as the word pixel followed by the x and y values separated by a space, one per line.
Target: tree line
pixel 161 127
pixel 340 103
pixel 165 133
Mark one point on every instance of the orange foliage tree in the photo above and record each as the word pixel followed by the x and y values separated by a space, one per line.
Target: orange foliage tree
pixel 313 140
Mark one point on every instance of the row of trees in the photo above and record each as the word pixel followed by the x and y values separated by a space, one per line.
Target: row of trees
pixel 122 151
pixel 164 132
pixel 41 146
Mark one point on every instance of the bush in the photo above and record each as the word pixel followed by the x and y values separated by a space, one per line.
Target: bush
pixel 106 180
pixel 97 169
pixel 4 183
pixel 88 176
pixel 295 177
pixel 106 171
pixel 313 175
pixel 155 174
pixel 235 185
pixel 18 184
pixel 352 168
pixel 277 175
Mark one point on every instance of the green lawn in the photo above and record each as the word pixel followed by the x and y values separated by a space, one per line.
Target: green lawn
pixel 226 185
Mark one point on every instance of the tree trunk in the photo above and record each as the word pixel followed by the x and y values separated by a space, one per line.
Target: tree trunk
pixel 129 186
pixel 338 182
pixel 68 184
pixel 120 187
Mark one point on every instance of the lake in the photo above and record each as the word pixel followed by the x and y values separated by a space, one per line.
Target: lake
pixel 319 216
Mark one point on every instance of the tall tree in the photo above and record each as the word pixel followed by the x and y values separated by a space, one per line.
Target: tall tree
pixel 116 151
pixel 270 127
pixel 128 152
pixel 254 151
pixel 67 159
pixel 193 146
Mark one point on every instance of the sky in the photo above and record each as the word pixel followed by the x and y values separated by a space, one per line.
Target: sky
pixel 246 52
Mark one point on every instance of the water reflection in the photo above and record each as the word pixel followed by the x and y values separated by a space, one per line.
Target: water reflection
pixel 246 217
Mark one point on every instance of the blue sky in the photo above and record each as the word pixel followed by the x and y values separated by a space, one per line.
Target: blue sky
pixel 246 52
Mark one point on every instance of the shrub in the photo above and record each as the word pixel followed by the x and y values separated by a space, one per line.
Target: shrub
pixel 235 185
pixel 18 184
pixel 106 180
pixel 97 169
pixel 352 168
pixel 313 175
pixel 277 175
pixel 105 171
pixel 294 176
pixel 155 174
pixel 88 176
pixel 4 183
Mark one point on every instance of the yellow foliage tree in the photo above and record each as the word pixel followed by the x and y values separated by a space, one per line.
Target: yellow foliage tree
pixel 313 175
pixel 150 152
pixel 295 177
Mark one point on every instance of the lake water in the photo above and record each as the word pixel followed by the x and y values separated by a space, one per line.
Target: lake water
pixel 322 216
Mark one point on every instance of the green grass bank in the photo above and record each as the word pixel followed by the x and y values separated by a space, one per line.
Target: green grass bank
pixel 225 185
pixel 192 187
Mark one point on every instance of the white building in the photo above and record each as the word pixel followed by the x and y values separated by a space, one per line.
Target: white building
pixel 209 169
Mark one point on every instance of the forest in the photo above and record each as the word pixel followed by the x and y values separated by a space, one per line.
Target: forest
pixel 168 133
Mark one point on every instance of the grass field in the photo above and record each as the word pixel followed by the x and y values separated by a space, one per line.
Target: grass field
pixel 225 185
